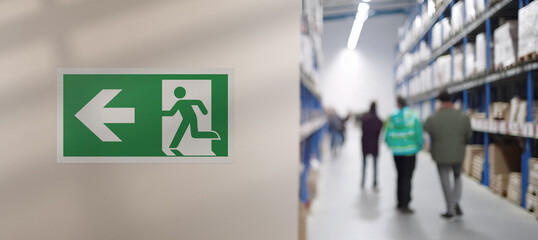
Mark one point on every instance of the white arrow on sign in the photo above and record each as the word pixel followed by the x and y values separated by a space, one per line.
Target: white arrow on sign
pixel 94 115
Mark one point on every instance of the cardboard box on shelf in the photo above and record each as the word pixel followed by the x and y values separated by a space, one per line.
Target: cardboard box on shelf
pixel 477 167
pixel 505 44
pixel 470 152
pixel 522 112
pixel 533 173
pixel 499 184
pixel 532 202
pixel 499 110
pixel 514 187
pixel 504 159
pixel 514 106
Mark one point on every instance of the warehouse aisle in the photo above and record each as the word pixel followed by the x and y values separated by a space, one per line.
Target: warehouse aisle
pixel 342 211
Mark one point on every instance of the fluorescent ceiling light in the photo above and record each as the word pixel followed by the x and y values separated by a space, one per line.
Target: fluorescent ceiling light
pixel 360 18
pixel 366 0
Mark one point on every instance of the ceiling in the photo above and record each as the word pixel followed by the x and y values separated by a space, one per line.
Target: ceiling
pixel 337 9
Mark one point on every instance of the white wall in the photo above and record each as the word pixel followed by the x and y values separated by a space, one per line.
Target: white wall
pixel 352 79
pixel 254 198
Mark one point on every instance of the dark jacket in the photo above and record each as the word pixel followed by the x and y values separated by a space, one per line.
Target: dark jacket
pixel 371 128
pixel 450 130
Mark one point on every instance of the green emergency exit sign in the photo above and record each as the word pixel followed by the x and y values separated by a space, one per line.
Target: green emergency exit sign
pixel 145 116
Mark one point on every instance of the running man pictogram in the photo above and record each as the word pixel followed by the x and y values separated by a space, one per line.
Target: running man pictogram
pixel 186 109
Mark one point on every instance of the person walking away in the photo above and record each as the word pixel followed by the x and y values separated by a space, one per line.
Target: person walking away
pixel 404 138
pixel 371 128
pixel 450 130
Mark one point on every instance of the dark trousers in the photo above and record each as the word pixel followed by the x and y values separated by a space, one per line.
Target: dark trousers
pixel 405 165
pixel 374 158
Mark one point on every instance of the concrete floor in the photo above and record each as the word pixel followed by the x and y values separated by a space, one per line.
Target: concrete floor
pixel 342 211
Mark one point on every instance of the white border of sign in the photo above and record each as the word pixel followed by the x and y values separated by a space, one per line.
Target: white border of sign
pixel 231 111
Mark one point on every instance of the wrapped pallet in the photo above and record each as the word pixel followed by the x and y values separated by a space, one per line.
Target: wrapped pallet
pixel 470 60
pixel 458 66
pixel 477 167
pixel 504 159
pixel 442 68
pixel 457 17
pixel 505 44
pixel 447 28
pixel 470 152
pixel 527 30
pixel 480 6
pixel 437 36
pixel 470 12
pixel 514 188
pixel 481 53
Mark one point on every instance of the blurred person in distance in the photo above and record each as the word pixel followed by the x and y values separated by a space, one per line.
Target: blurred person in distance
pixel 450 130
pixel 404 138
pixel 336 129
pixel 371 128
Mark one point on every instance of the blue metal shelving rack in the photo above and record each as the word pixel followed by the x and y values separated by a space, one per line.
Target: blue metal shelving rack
pixel 480 82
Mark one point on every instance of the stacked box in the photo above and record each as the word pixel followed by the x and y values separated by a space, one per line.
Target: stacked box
pixel 477 167
pixel 503 159
pixel 505 42
pixel 470 152
pixel 528 30
pixel 514 188
pixel 499 184
pixel 481 53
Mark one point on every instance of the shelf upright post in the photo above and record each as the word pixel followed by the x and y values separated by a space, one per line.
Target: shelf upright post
pixel 485 173
pixel 527 155
pixel 420 110
pixel 431 62
pixel 465 93
pixel 451 52
pixel 432 105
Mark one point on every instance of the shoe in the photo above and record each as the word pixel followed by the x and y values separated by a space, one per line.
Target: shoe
pixel 376 189
pixel 447 216
pixel 406 210
pixel 459 213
